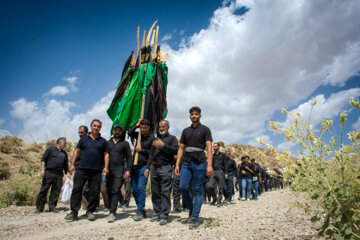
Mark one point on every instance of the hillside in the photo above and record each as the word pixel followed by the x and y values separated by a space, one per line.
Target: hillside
pixel 17 156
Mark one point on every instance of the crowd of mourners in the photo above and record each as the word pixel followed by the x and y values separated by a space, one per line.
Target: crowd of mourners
pixel 190 168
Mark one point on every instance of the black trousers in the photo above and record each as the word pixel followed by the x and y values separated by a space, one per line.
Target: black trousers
pixel 53 180
pixel 217 179
pixel 125 200
pixel 115 182
pixel 176 194
pixel 161 189
pixel 94 180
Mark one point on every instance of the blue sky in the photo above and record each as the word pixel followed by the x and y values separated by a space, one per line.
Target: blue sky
pixel 240 61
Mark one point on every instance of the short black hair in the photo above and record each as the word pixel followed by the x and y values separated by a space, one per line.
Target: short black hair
pixel 145 122
pixel 60 139
pixel 85 128
pixel 95 120
pixel 246 156
pixel 194 109
pixel 253 159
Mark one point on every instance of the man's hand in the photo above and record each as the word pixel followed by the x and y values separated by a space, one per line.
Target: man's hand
pixel 146 173
pixel 138 123
pixel 243 172
pixel 69 175
pixel 72 169
pixel 158 143
pixel 209 171
pixel 42 173
pixel 226 176
pixel 177 171
pixel 105 171
pixel 127 175
pixel 138 148
pixel 234 179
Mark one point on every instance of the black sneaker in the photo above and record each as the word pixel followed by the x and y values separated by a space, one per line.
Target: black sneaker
pixel 163 221
pixel 71 217
pixel 53 210
pixel 155 218
pixel 125 206
pixel 177 210
pixel 139 216
pixel 39 211
pixel 90 216
pixel 194 223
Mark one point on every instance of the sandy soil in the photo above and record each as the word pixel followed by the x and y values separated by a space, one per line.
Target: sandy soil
pixel 267 218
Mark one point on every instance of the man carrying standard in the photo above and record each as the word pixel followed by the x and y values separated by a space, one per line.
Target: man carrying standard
pixel 160 163
pixel 193 142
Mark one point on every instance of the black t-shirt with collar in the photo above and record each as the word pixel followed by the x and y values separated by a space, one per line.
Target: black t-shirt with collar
pixel 55 160
pixel 92 152
pixel 195 137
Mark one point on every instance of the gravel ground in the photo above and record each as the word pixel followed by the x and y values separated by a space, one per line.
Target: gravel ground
pixel 267 218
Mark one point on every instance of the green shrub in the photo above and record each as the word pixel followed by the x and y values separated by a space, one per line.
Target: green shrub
pixel 4 171
pixel 327 174
pixel 19 189
pixel 51 143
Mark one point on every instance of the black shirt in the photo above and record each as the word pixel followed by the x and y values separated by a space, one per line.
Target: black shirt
pixel 55 160
pixel 146 145
pixel 164 155
pixel 118 152
pixel 195 137
pixel 247 172
pixel 256 169
pixel 92 152
pixel 219 162
pixel 231 166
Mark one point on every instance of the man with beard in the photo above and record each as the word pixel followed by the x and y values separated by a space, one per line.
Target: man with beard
pixel 138 176
pixel 195 164
pixel 231 177
pixel 160 163
pixel 118 153
pixel 94 161
pixel 220 168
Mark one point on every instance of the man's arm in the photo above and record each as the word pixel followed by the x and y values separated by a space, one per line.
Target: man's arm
pixel 106 160
pixel 43 162
pixel 178 158
pixel 209 169
pixel 66 164
pixel 74 157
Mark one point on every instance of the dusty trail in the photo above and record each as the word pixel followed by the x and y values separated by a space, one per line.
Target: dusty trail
pixel 267 218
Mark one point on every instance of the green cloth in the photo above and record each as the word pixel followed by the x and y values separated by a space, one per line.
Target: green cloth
pixel 126 111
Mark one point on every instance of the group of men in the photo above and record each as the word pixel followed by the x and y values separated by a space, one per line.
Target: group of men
pixel 178 166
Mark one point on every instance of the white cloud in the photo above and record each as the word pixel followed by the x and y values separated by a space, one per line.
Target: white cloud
pixel 241 69
pixel 356 125
pixel 58 90
pixel 167 37
pixel 53 118
pixel 2 121
pixel 325 108
pixel 264 138
pixel 4 132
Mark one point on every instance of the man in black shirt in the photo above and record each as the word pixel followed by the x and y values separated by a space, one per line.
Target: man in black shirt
pixel 160 162
pixel 119 153
pixel 53 163
pixel 138 178
pixel 194 167
pixel 220 168
pixel 231 177
pixel 246 181
pixel 256 178
pixel 94 161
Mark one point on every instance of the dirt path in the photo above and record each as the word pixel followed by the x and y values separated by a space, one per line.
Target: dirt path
pixel 267 218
